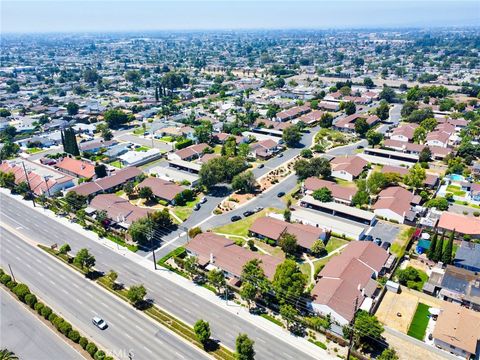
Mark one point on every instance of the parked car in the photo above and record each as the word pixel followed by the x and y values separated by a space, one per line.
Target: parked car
pixel 197 207
pixel 99 322
pixel 386 245
pixel 280 194
pixel 258 209
pixel 280 155
pixel 261 166
pixel 203 200
pixel 235 218
pixel 378 241
pixel 248 213
pixel 368 238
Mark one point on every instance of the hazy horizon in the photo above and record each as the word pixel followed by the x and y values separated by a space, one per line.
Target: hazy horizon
pixel 128 16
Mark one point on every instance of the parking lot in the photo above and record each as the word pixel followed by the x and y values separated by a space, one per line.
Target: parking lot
pixel 386 231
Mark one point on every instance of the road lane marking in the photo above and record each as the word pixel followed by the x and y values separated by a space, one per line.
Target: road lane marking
pixel 129 336
pixel 123 317
pixel 18 223
pixel 79 301
pixel 138 327
pixel 150 351
pixel 179 355
pixel 51 282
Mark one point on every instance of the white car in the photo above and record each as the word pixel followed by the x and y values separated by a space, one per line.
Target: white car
pixel 99 322
pixel 203 200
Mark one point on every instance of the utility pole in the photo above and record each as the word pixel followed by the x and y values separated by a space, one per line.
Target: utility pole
pixel 352 329
pixel 11 272
pixel 28 183
pixel 150 234
pixel 46 183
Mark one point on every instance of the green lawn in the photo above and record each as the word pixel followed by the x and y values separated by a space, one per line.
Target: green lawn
pixel 400 243
pixel 241 227
pixel 142 148
pixel 217 149
pixel 456 190
pixel 183 212
pixel 469 205
pixel 419 322
pixel 116 163
pixel 34 150
pixel 138 131
pixel 166 139
pixel 334 243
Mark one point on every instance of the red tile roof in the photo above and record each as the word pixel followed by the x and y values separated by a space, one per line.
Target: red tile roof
pixel 161 188
pixel 338 192
pixel 460 223
pixel 80 168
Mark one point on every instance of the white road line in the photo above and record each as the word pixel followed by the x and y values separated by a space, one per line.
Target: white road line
pixel 168 300
pixel 123 317
pixel 187 311
pixel 150 351
pixel 179 355
pixel 18 223
pixel 129 336
pixel 52 282
pixel 261 340
pixel 75 285
pixel 138 327
pixel 28 265
pixel 16 257
pixel 79 301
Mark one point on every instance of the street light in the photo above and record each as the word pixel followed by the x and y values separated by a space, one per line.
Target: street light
pixel 150 234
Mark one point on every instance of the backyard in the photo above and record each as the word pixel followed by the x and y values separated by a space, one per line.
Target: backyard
pixel 419 322
pixel 455 190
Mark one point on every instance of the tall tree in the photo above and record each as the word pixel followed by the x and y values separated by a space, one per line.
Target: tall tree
pixel 288 282
pixel 448 252
pixel 288 243
pixel 433 245
pixel 416 177
pixel 437 256
pixel 84 259
pixel 244 348
pixel 69 142
pixel 202 331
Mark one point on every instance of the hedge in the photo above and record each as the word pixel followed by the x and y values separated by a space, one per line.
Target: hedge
pixel 83 342
pixel 74 335
pixel 65 328
pixel 38 307
pixel 91 348
pixel 21 290
pixel 99 355
pixel 11 284
pixel 31 300
pixel 52 317
pixel 5 279
pixel 46 311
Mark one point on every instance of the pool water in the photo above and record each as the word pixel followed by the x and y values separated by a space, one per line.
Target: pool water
pixel 456 177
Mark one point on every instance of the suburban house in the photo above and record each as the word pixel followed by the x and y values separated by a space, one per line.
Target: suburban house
pixel 394 203
pixel 431 180
pixel 348 167
pixel 136 158
pixel 348 281
pixel 189 153
pixel 468 256
pixel 42 180
pixel 460 286
pixel 264 149
pixel 292 113
pixel 311 117
pixel 273 229
pixel 95 145
pixel 341 194
pixel 475 191
pixel 462 224
pixel 222 137
pixel 457 330
pixel 119 210
pixel 217 252
pixel 76 168
pixel 438 152
pixel 162 189
pixel 404 133
pixel 108 183
pixel 348 122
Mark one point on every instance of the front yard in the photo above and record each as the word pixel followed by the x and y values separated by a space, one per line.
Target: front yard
pixel 241 227
pixel 183 212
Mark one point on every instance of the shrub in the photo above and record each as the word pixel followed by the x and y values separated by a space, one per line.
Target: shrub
pixel 46 311
pixel 5 279
pixel 11 285
pixel 52 317
pixel 91 348
pixel 476 213
pixel 83 342
pixel 38 307
pixel 57 322
pixel 21 290
pixel 99 355
pixel 65 328
pixel 30 300
pixel 74 335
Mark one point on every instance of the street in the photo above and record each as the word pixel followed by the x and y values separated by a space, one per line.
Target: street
pixel 77 299
pixel 181 302
pixel 24 334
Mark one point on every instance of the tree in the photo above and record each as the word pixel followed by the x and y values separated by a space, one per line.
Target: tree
pixel 437 255
pixel 374 138
pixel 425 155
pixel 433 245
pixel 318 248
pixel 115 118
pixel 9 150
pixel 190 265
pixel 415 177
pixel 323 194
pixel 288 313
pixel 288 282
pixel 383 110
pixel 133 76
pixel 72 108
pixel 100 170
pixel 244 182
pixel 69 142
pixel 349 107
pixel 84 259
pixel 368 83
pixel 194 232
pixel 90 76
pixel 64 249
pixel 326 120
pixel 361 126
pixel 409 274
pixel 244 348
pixel 105 132
pixel 112 276
pixel 367 328
pixel 419 135
pixel 129 188
pixel 429 124
pixel 203 132
pixel 248 292
pixel 448 252
pixel 292 136
pixel 138 230
pixel 161 219
pixel 306 153
pixel 75 201
pixel 202 331
pixel 439 202
pixel 136 294
pixel 288 243
pixel 316 166
pixel 21 290
pixel 217 279
pixel 6 354
pixel 388 354
pixel 145 192
pixel 387 94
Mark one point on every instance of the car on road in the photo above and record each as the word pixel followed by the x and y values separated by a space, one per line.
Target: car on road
pixel 280 194
pixel 280 155
pixel 360 147
pixel 260 166
pixel 99 322
pixel 258 209
pixel 235 218
pixel 197 207
pixel 248 213
pixel 203 200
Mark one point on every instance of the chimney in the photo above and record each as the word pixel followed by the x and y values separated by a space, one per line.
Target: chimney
pixel 212 258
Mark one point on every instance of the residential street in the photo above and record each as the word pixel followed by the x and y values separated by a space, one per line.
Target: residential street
pixel 77 299
pixel 175 298
pixel 26 335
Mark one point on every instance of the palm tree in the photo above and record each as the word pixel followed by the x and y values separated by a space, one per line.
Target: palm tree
pixel 6 354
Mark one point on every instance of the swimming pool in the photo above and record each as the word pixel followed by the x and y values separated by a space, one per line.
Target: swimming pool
pixel 456 177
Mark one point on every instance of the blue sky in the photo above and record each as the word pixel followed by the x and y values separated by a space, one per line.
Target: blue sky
pixel 89 15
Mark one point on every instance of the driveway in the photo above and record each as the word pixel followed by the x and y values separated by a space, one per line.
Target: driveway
pixel 385 231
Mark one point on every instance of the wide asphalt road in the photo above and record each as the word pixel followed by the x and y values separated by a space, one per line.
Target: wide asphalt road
pixel 24 334
pixel 77 300
pixel 179 301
